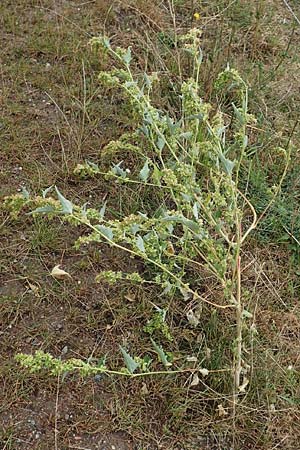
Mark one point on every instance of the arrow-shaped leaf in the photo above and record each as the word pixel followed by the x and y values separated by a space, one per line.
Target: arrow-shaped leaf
pixel 67 206
pixel 43 209
pixel 144 173
pixel 102 210
pixel 140 243
pixel 131 364
pixel 161 354
pixel 127 56
pixel 106 231
pixel 25 193
pixel 45 191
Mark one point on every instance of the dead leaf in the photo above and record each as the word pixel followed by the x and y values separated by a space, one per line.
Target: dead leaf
pixel 144 389
pixel 204 372
pixel 59 274
pixel 242 388
pixel 191 358
pixel 35 289
pixel 208 354
pixel 272 408
pixel 195 380
pixel 192 318
pixel 222 411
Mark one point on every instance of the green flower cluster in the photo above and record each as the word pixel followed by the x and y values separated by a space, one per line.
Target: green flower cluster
pixel 44 361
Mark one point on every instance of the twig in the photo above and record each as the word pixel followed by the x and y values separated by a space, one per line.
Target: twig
pixel 56 415
pixel 291 11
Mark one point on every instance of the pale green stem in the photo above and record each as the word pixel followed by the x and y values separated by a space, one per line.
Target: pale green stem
pixel 151 261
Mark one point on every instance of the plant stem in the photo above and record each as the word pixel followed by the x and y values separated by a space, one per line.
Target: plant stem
pixel 239 336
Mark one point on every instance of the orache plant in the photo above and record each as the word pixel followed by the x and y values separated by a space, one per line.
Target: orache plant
pixel 193 160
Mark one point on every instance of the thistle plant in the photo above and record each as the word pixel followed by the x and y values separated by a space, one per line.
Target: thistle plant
pixel 193 161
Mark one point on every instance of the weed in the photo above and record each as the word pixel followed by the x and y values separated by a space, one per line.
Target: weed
pixel 48 135
pixel 204 218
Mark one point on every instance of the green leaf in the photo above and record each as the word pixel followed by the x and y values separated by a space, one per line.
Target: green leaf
pixel 186 197
pixel 131 364
pixel 187 135
pixel 140 244
pixel 102 210
pixel 106 231
pixel 106 42
pixel 127 56
pixel 170 124
pixel 117 170
pixel 160 143
pixel 148 81
pixel 184 221
pixel 148 118
pixel 67 206
pixel 195 211
pixel 200 56
pixel 45 191
pixel 238 114
pixel 25 193
pixel 227 164
pixel 156 175
pixel 246 314
pixel 135 227
pixel 144 130
pixel 83 210
pixel 92 165
pixel 129 84
pixel 101 361
pixel 42 209
pixel 144 173
pixel 161 354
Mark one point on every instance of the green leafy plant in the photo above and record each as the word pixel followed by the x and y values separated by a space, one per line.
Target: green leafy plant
pixel 192 160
